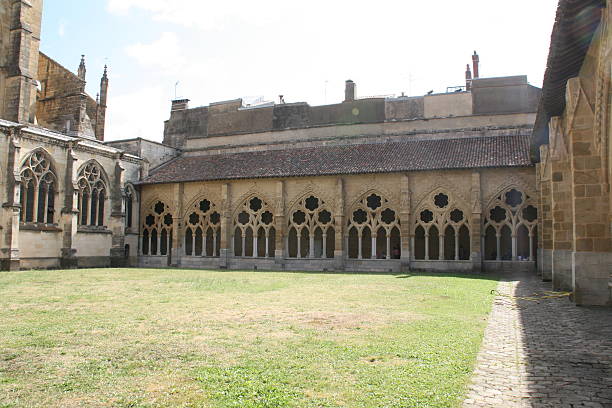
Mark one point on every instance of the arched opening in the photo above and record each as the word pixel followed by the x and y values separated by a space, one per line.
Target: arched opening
pixel 272 242
pixel 101 200
pixel 465 247
pixel 154 242
pixel 419 243
pixel 396 244
pixel 318 243
pixel 188 242
pixel 84 207
pixel 145 242
pixel 198 242
pixel 366 243
pixel 163 242
pixel 248 242
pixel 210 242
pixel 304 243
pixel 522 243
pixel 490 248
pixel 534 249
pixel 353 243
pixel 449 243
pixel 381 244
pixel 238 242
pixel 330 240
pixel 434 243
pixel 292 243
pixel 506 243
pixel 261 242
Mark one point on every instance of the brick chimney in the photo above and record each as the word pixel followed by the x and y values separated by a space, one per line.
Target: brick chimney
pixel 468 78
pixel 476 61
pixel 180 104
pixel 349 91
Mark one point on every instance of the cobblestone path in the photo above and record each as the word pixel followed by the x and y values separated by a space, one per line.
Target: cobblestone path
pixel 548 353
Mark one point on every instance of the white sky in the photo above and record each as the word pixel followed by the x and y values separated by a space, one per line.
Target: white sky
pixel 306 50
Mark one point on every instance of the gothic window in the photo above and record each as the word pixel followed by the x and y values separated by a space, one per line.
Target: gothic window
pixel 203 229
pixel 442 230
pixel 373 229
pixel 254 232
pixel 92 195
pixel 130 200
pixel 510 223
pixel 157 230
pixel 38 188
pixel 311 230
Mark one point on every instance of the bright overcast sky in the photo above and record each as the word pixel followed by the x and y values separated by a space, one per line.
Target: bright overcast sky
pixel 303 50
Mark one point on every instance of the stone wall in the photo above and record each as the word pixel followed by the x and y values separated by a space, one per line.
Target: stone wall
pixel 406 194
pixel 574 181
pixel 59 237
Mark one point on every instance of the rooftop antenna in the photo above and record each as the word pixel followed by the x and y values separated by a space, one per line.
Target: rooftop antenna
pixel 175 89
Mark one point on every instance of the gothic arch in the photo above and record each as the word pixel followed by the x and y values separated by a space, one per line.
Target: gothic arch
pixel 131 204
pixel 93 193
pixel 253 226
pixel 311 228
pixel 157 225
pixel 442 227
pixel 510 225
pixel 373 227
pixel 39 187
pixel 202 227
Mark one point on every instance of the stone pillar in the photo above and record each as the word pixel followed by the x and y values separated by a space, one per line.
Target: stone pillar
pixel 545 220
pixel 177 224
pixel 70 212
pixel 9 251
pixel 405 228
pixel 562 211
pixel 592 255
pixel 476 237
pixel 280 225
pixel 341 242
pixel 118 257
pixel 226 227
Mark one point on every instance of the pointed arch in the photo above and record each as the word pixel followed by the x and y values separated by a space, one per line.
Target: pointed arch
pixel 202 227
pixel 93 184
pixel 312 220
pixel 254 220
pixel 38 187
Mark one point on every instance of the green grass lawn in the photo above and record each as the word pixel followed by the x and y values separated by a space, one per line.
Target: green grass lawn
pixel 171 338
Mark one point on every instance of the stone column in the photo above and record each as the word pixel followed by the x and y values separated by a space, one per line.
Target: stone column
pixel 70 213
pixel 545 223
pixel 118 258
pixel 226 227
pixel 562 211
pixel 9 252
pixel 341 245
pixel 280 225
pixel 178 191
pixel 404 216
pixel 476 237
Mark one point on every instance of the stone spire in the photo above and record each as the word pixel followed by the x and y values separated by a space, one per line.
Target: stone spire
pixel 82 69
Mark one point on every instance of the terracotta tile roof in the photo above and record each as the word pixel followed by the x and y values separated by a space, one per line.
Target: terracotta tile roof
pixel 418 155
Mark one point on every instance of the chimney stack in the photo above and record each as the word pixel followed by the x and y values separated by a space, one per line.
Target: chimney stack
pixel 349 91
pixel 180 104
pixel 468 78
pixel 476 61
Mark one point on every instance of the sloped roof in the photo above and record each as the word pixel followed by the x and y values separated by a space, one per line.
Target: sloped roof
pixel 417 155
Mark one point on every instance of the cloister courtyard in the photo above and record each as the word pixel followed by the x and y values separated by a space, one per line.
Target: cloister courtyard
pixel 189 338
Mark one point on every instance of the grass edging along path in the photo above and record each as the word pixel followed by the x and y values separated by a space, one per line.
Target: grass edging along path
pixel 167 338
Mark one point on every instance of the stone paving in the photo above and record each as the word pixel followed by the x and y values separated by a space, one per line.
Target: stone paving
pixel 543 354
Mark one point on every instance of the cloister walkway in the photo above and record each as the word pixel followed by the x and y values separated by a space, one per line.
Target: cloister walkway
pixel 548 353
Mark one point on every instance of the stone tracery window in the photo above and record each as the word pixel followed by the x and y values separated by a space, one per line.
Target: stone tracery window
pixel 157 230
pixel 38 188
pixel 92 195
pixel 510 227
pixel 254 232
pixel 373 229
pixel 311 230
pixel 442 230
pixel 203 230
pixel 130 200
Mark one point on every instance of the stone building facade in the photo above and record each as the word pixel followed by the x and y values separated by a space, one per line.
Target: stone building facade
pixel 67 198
pixel 573 150
pixel 440 182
